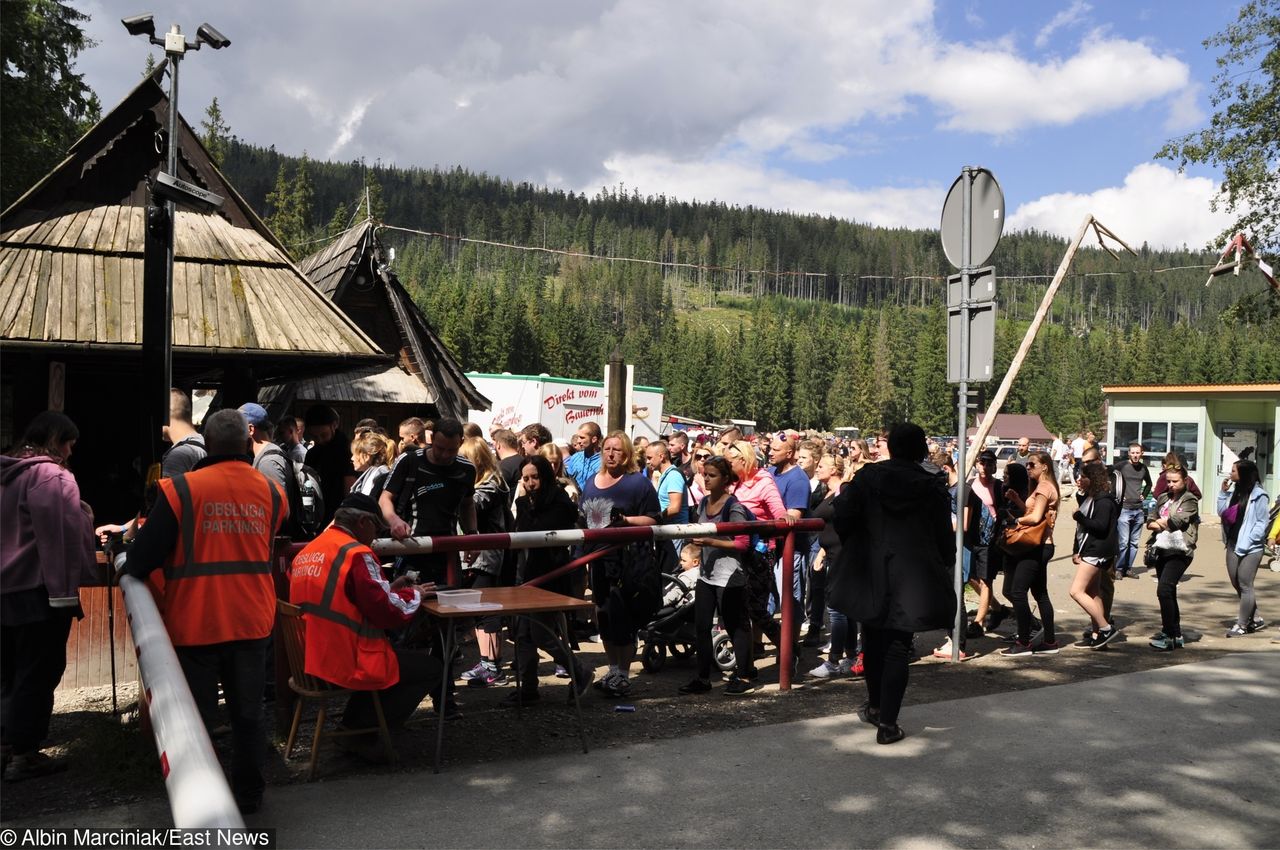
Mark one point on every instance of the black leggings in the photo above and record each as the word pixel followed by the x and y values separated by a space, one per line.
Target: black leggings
pixel 1031 573
pixel 886 653
pixel 732 602
pixel 1169 570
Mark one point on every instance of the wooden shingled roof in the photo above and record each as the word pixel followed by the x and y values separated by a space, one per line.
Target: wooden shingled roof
pixel 71 262
pixel 354 271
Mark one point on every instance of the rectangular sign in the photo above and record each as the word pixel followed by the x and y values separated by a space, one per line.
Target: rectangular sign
pixel 982 343
pixel 982 286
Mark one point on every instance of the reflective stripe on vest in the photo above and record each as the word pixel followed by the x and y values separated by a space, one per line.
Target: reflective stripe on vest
pixel 324 609
pixel 189 568
pixel 218 586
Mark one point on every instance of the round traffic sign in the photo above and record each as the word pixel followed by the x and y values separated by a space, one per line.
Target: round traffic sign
pixel 987 216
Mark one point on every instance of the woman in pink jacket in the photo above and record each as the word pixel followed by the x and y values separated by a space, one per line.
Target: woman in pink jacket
pixel 759 494
pixel 46 546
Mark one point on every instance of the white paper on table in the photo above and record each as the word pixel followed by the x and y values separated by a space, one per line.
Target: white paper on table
pixel 476 606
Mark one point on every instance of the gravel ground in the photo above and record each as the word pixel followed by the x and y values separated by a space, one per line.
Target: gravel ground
pixel 112 763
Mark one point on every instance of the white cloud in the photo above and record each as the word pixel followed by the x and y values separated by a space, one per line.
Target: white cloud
pixel 558 87
pixel 744 181
pixel 1156 205
pixel 996 91
pixel 1073 14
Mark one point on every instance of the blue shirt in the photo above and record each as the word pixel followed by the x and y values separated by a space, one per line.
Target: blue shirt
pixel 793 486
pixel 582 467
pixel 672 481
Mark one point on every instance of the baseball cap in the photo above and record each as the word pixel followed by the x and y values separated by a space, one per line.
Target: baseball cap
pixel 987 455
pixel 254 414
pixel 365 504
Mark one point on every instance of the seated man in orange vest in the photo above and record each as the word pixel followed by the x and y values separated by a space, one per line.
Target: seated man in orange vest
pixel 347 603
pixel 212 532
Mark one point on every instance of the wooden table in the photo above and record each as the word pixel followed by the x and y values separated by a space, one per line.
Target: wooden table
pixel 509 602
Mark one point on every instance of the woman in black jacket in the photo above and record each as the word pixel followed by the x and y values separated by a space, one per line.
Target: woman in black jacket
pixel 1096 545
pixel 895 572
pixel 544 507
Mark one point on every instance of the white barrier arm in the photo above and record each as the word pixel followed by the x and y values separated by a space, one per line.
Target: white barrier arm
pixel 199 796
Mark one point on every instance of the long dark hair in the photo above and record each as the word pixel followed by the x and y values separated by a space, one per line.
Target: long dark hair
pixel 1016 479
pixel 547 483
pixel 46 435
pixel 1249 479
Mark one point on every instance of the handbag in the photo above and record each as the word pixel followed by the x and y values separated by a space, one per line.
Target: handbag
pixel 1170 541
pixel 1019 539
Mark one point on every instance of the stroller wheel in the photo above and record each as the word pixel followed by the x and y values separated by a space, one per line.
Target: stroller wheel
pixel 722 651
pixel 653 657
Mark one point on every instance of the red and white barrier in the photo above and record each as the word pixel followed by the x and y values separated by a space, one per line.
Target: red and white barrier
pixel 199 796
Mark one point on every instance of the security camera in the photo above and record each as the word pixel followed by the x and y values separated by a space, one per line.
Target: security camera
pixel 140 25
pixel 212 37
pixel 170 188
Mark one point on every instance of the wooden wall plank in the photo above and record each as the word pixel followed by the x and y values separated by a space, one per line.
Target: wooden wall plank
pixel 109 285
pixel 130 300
pixel 85 285
pixel 219 276
pixel 17 281
pixel 53 308
pixel 88 237
pixel 106 237
pixel 183 332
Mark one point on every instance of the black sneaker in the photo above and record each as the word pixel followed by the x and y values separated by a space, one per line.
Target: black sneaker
pixel 695 686
pixel 889 734
pixel 1256 625
pixel 867 714
pixel 31 765
pixel 1103 637
pixel 739 687
pixel 1018 650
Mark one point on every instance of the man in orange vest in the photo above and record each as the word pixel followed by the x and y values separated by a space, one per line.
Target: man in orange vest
pixel 211 532
pixel 347 603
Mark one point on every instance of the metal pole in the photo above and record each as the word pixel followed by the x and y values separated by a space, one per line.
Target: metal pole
pixel 786 652
pixel 171 211
pixel 962 406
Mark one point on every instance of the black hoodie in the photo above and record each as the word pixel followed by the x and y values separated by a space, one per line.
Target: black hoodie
pixel 898 552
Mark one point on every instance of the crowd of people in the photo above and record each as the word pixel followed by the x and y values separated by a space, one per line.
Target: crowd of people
pixel 880 571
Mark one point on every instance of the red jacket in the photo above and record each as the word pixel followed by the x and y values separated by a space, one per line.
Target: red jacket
pixel 346 604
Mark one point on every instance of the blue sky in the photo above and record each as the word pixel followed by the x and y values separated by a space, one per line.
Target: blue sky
pixel 863 109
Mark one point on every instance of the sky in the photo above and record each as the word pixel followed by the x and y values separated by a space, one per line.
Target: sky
pixel 862 109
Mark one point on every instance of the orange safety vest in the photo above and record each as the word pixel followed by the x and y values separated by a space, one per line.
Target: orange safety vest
pixel 218 585
pixel 341 646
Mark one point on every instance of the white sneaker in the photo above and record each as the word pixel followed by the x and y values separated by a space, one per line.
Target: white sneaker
pixel 825 670
pixel 943 651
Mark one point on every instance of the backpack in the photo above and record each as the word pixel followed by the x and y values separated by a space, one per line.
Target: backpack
pixel 306 501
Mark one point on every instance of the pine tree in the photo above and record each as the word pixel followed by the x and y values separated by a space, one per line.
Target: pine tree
pixel 216 133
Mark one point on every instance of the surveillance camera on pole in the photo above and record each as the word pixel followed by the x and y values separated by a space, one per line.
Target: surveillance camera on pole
pixel 167 191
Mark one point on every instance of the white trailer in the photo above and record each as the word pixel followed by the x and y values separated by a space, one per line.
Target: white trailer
pixel 561 404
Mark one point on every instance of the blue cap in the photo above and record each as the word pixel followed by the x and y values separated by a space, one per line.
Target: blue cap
pixel 254 414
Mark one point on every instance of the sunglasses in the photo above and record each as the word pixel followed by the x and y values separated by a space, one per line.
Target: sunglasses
pixel 1031 464
pixel 701 456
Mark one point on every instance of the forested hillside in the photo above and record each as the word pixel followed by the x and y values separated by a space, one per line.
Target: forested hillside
pixel 787 319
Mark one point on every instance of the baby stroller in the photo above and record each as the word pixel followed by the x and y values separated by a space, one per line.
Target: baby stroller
pixel 672 629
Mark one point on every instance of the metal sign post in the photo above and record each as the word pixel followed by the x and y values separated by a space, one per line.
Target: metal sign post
pixel 968 241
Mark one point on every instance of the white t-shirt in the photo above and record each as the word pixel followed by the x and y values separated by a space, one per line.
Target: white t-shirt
pixel 1058 450
pixel 1078 446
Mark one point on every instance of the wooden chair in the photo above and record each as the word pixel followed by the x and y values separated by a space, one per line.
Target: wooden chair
pixel 293 632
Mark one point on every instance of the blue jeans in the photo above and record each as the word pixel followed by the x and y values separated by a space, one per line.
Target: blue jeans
pixel 1129 528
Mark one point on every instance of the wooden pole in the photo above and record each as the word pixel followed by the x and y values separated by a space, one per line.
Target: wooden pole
pixel 989 420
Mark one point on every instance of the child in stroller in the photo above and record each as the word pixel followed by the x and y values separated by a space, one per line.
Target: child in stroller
pixel 671 629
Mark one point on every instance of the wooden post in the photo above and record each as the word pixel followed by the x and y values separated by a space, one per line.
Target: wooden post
pixel 989 420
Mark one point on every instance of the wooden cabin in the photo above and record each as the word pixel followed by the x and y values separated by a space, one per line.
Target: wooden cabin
pixel 355 271
pixel 71 295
